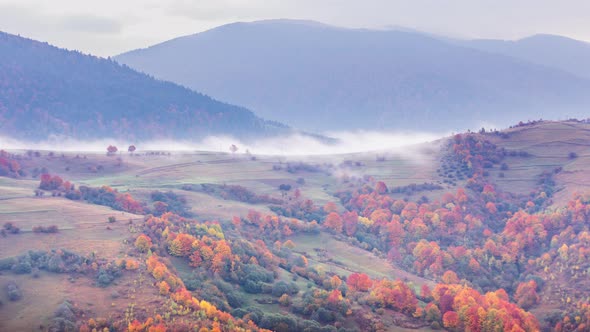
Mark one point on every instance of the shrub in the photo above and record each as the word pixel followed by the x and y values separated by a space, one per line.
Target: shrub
pixel 43 229
pixel 7 263
pixel 64 318
pixel 22 267
pixel 14 293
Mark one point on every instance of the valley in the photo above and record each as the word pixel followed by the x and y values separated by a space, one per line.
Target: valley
pixel 157 240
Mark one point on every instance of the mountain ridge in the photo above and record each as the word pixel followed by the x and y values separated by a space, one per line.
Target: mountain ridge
pixel 564 53
pixel 329 78
pixel 51 91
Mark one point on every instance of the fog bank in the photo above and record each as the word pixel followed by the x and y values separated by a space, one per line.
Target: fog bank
pixel 291 145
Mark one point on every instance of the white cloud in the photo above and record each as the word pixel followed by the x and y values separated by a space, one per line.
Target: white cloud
pixel 113 27
pixel 92 24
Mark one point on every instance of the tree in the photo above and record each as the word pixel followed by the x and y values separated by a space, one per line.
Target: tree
pixel 111 149
pixel 451 319
pixel 359 282
pixel 131 148
pixel 491 208
pixel 164 288
pixel 432 312
pixel 334 222
pixel 49 182
pixel 450 277
pixel 393 294
pixel 526 294
pixel 330 207
pixel 233 148
pixel 285 300
pixel 350 221
pixel 381 188
pixel 14 293
pixel 425 292
pixel 335 282
pixel 143 243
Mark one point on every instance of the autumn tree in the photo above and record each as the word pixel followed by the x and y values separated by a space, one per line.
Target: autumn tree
pixel 285 300
pixel 333 222
pixel 49 182
pixel 350 221
pixel 450 277
pixel 381 188
pixel 111 149
pixel 451 320
pixel 526 294
pixel 425 292
pixel 335 282
pixel 359 282
pixel 143 243
pixel 164 288
pixel 393 294
pixel 330 207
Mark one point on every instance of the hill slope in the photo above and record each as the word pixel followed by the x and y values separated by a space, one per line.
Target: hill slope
pixel 319 77
pixel 49 91
pixel 558 52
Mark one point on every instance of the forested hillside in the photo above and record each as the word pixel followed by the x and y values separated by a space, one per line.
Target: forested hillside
pixel 319 77
pixel 49 91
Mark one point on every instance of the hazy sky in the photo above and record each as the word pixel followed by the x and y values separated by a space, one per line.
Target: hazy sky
pixel 109 27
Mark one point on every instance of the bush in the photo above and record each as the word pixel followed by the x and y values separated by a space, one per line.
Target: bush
pixel 9 227
pixel 43 229
pixel 64 318
pixel 323 316
pixel 169 202
pixel 22 267
pixel 235 299
pixel 280 288
pixel 14 293
pixel 252 287
pixel 278 321
pixel 7 263
pixel 107 275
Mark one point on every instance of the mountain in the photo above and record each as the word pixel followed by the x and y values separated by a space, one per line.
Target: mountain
pixel 319 77
pixel 48 91
pixel 563 53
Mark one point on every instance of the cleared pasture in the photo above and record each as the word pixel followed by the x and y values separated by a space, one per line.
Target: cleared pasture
pixel 342 258
pixel 83 228
pixel 550 145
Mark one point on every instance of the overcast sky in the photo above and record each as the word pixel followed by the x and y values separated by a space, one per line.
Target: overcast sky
pixel 109 27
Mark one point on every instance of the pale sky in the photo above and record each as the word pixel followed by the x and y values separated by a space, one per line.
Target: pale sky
pixel 109 27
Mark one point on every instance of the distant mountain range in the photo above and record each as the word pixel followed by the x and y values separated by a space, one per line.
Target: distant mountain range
pixel 319 77
pixel 48 91
pixel 563 53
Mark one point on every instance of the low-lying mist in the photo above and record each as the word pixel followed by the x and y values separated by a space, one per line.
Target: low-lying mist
pixel 290 145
